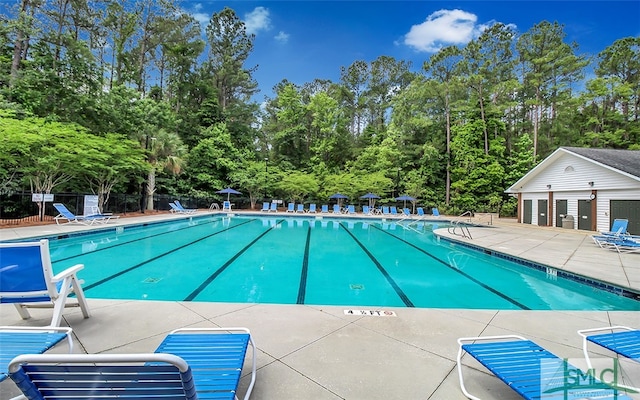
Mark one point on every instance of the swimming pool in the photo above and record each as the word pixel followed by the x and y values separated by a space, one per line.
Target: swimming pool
pixel 307 260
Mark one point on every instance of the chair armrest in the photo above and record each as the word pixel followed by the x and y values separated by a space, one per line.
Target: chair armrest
pixel 585 332
pixel 67 272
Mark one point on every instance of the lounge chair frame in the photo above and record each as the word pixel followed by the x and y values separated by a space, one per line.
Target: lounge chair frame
pixel 104 376
pixel 521 364
pixel 71 218
pixel 621 340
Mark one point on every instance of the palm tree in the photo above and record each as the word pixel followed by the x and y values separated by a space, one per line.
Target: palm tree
pixel 165 152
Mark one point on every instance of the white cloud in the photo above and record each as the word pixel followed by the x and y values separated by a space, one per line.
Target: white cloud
pixel 443 28
pixel 257 20
pixel 202 18
pixel 282 37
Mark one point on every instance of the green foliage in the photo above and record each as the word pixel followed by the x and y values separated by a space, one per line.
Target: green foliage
pixel 94 98
pixel 298 185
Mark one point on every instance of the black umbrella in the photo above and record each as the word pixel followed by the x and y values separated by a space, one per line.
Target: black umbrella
pixel 371 197
pixel 228 191
pixel 405 198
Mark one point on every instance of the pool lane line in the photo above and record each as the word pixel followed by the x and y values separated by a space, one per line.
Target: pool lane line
pixel 471 278
pixel 124 271
pixel 394 285
pixel 302 291
pixel 220 270
pixel 135 240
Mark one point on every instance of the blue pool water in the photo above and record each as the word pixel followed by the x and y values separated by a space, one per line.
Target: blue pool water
pixel 302 260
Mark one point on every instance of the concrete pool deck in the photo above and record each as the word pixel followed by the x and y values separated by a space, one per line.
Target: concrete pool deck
pixel 317 352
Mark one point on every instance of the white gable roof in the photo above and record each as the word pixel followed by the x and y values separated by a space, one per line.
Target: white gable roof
pixel 573 168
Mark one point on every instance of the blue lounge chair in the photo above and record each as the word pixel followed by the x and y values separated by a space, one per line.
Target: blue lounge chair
pixel 394 210
pixel 351 209
pixel 627 244
pixel 274 207
pixel 27 280
pixel 265 206
pixel 618 227
pixel 365 210
pixel 435 212
pixel 621 340
pixel 188 364
pixel 291 207
pixel 527 368
pixel 300 208
pixel 420 211
pixel 216 355
pixel 406 212
pixel 385 210
pixel 618 232
pixel 16 340
pixel 182 209
pixel 312 208
pixel 83 375
pixel 226 205
pixel 336 209
pixel 324 209
pixel 71 218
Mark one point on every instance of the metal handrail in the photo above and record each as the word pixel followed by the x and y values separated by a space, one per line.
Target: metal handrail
pixel 463 225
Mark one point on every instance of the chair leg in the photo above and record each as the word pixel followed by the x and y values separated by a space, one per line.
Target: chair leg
pixel 59 303
pixel 22 310
pixel 82 301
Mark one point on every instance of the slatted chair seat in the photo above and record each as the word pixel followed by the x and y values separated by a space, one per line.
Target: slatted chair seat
pixel 530 370
pixel 216 357
pixel 622 340
pixel 104 376
pixel 15 340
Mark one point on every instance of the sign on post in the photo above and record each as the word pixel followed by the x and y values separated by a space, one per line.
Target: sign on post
pixel 41 197
pixel 90 204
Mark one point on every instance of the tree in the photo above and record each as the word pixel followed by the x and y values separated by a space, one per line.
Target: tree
pixel 108 161
pixel 229 48
pixel 211 163
pixel 165 153
pixel 298 185
pixel 251 178
pixel 487 66
pixel 442 68
pixel 291 140
pixel 549 68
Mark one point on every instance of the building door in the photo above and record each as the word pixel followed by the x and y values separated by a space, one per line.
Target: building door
pixel 561 211
pixel 528 210
pixel 627 209
pixel 542 213
pixel 584 215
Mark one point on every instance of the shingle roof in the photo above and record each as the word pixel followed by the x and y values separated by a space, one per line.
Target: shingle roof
pixel 624 160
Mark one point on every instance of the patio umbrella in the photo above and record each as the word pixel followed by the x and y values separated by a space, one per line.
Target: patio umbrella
pixel 228 191
pixel 339 197
pixel 371 197
pixel 405 198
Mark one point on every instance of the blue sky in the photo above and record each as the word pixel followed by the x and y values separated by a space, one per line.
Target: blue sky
pixel 303 40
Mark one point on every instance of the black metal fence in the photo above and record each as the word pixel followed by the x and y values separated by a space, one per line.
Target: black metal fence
pixel 18 207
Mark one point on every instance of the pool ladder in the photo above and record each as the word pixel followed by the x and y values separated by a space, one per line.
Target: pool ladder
pixel 460 227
